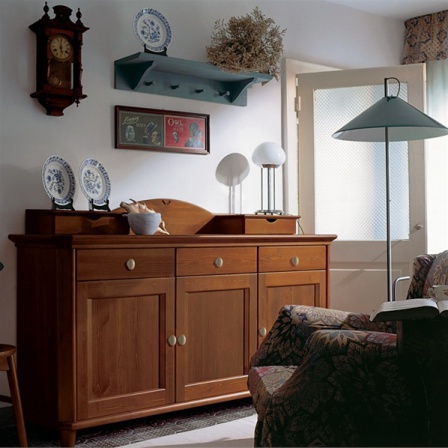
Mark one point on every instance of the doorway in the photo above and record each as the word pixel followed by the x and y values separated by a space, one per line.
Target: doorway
pixel 340 188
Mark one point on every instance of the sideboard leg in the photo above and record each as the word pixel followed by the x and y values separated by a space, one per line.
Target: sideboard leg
pixel 67 437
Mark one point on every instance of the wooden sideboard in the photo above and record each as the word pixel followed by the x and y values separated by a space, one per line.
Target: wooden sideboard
pixel 116 327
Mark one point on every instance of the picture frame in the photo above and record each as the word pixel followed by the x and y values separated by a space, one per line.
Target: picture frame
pixel 161 130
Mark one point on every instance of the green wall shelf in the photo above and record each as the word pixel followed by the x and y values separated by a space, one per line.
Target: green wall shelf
pixel 163 75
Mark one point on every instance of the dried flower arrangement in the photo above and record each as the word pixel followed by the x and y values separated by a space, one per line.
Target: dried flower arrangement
pixel 250 43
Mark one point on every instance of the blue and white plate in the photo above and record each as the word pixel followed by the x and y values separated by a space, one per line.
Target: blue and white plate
pixel 152 30
pixel 58 180
pixel 94 181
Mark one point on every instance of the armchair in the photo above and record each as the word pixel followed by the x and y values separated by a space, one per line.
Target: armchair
pixel 333 378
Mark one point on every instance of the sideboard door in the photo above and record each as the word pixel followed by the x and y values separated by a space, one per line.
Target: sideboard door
pixel 290 275
pixel 276 289
pixel 124 360
pixel 217 316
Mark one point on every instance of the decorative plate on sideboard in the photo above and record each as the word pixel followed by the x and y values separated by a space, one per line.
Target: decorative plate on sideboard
pixel 94 181
pixel 58 180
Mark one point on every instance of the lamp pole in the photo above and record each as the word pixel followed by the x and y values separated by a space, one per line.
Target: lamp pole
pixel 389 244
pixel 271 188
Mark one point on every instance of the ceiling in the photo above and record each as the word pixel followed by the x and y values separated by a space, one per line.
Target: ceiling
pixel 396 9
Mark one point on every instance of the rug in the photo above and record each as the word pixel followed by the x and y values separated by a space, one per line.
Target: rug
pixel 133 431
pixel 236 434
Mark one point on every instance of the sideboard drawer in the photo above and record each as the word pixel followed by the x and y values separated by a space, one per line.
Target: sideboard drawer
pixel 216 260
pixel 292 258
pixel 105 264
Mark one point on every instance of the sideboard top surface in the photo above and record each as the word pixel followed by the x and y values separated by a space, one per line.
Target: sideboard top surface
pixel 103 241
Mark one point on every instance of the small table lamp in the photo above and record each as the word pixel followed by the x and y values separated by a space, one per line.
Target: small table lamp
pixel 268 156
pixel 231 171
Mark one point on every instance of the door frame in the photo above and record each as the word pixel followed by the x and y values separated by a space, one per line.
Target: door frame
pixel 290 142
pixel 294 179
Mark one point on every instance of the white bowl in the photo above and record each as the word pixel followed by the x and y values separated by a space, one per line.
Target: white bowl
pixel 144 223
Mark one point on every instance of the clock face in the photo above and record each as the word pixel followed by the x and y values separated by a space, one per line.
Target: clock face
pixel 61 48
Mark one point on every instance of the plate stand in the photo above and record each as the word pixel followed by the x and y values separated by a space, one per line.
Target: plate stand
pixel 93 206
pixel 160 53
pixel 69 206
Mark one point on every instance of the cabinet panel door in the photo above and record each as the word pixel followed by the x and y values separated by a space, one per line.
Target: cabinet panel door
pixel 124 361
pixel 217 316
pixel 288 288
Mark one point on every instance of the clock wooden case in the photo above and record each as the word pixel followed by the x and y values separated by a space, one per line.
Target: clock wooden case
pixel 58 60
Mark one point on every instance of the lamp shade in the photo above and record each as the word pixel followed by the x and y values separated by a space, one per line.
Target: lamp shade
pixel 232 170
pixel 404 123
pixel 268 154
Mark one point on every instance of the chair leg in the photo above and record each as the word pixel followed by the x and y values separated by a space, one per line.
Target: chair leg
pixel 16 402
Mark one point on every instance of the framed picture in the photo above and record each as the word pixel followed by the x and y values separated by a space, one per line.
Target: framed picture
pixel 161 130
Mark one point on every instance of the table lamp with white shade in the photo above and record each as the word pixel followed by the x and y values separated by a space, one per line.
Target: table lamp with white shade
pixel 268 156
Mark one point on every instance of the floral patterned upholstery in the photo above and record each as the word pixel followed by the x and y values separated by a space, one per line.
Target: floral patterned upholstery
pixel 332 378
pixel 438 273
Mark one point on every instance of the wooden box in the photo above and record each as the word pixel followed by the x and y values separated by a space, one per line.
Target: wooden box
pixel 252 225
pixel 66 222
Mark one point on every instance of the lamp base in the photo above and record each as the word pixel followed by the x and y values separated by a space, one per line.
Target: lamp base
pixel 269 212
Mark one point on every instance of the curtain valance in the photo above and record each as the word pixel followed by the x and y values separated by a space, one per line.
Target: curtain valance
pixel 426 38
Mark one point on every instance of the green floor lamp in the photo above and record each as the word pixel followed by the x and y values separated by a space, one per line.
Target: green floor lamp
pixel 390 120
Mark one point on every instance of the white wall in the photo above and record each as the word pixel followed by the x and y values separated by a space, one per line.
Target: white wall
pixel 317 32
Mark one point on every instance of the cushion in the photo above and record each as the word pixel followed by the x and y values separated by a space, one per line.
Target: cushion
pixel 438 273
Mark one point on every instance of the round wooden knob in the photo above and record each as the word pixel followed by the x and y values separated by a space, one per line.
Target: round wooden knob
pixel 219 262
pixel 182 339
pixel 295 261
pixel 130 264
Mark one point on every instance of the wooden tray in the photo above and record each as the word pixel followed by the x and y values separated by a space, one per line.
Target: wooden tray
pixel 184 218
pixel 252 225
pixel 64 222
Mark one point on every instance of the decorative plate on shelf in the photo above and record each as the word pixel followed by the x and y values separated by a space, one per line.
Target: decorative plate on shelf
pixel 94 181
pixel 58 180
pixel 152 30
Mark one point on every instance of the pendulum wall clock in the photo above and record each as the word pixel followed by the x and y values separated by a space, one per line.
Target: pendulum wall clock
pixel 58 60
